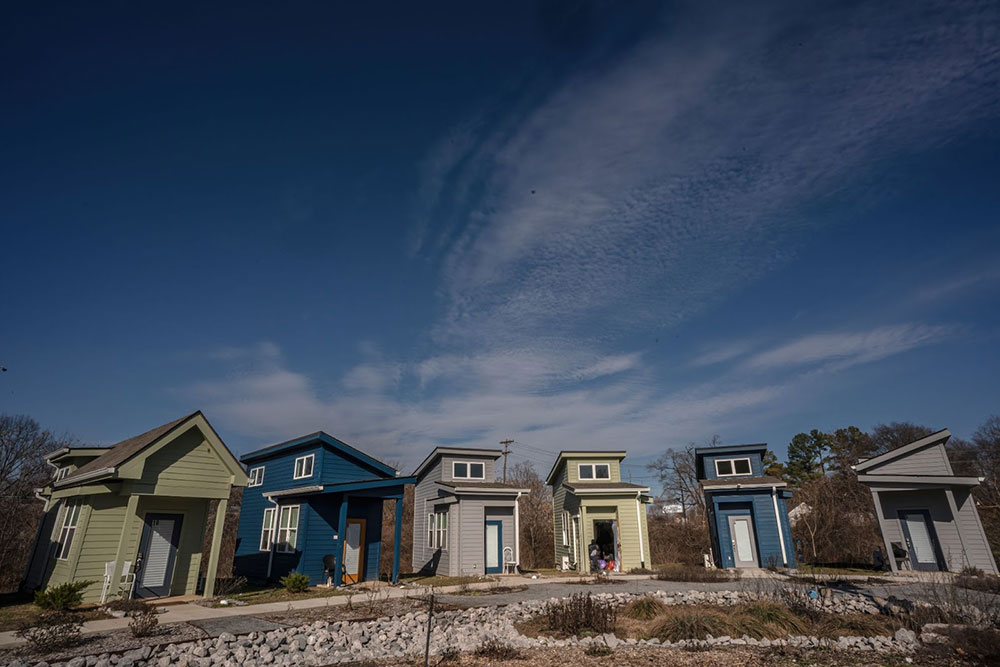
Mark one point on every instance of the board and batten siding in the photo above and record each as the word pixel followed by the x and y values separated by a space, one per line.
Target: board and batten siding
pixel 928 461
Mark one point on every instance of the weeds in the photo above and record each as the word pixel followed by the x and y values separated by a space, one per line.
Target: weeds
pixel 50 631
pixel 581 612
pixel 144 621
pixel 227 586
pixel 688 622
pixel 769 619
pixel 496 649
pixel 127 606
pixel 598 650
pixel 644 609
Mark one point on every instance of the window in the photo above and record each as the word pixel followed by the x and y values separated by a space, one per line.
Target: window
pixel 256 476
pixel 468 470
pixel 730 467
pixel 288 528
pixel 304 466
pixel 61 472
pixel 267 530
pixel 595 471
pixel 437 530
pixel 70 519
pixel 565 528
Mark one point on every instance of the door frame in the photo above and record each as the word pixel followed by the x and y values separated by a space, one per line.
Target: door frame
pixel 935 543
pixel 353 578
pixel 499 568
pixel 175 541
pixel 730 518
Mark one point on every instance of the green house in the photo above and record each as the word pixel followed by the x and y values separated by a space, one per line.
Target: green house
pixel 599 520
pixel 134 515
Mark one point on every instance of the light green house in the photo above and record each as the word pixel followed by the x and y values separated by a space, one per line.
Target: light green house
pixel 139 507
pixel 597 517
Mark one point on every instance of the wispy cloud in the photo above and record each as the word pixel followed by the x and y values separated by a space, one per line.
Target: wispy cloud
pixel 947 288
pixel 845 349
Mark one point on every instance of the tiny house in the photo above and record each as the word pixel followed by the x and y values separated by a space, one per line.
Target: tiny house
pixel 132 517
pixel 599 521
pixel 313 505
pixel 464 521
pixel 926 513
pixel 746 510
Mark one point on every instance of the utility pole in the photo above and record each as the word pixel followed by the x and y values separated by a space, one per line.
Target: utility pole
pixel 506 450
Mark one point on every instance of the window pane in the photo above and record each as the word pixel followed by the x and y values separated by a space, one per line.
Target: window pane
pixel 476 470
pixel 602 471
pixel 724 467
pixel 307 466
pixel 587 472
pixel 742 466
pixel 461 470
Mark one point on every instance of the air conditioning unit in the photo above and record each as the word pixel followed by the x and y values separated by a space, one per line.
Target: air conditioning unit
pixel 565 563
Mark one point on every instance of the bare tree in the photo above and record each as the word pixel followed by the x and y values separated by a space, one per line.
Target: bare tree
pixel 535 516
pixel 23 446
pixel 678 473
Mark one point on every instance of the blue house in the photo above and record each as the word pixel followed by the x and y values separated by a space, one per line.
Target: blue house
pixel 747 515
pixel 314 505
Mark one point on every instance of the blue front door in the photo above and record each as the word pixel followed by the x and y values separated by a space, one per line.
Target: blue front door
pixel 494 547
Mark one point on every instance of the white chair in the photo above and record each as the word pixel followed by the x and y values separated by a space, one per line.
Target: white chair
pixel 126 584
pixel 109 571
pixel 509 564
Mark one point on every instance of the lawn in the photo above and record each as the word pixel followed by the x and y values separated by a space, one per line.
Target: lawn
pixel 264 595
pixel 17 608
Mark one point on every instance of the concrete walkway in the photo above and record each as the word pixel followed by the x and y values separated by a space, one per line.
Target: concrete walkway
pixel 540 588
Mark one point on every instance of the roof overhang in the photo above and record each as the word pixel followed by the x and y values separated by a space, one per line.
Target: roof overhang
pixel 921 480
pixel 100 473
pixel 927 441
pixel 609 491
pixel 737 485
pixel 482 490
pixel 297 491
pixel 341 487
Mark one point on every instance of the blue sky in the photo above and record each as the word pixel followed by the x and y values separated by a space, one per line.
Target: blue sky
pixel 571 224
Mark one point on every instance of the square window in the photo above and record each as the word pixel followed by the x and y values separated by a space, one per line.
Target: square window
pixel 741 466
pixel 586 471
pixel 461 470
pixel 256 476
pixel 602 471
pixel 476 470
pixel 304 466
pixel 724 467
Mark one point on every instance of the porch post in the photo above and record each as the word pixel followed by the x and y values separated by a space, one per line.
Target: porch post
pixel 881 527
pixel 954 514
pixel 213 554
pixel 131 513
pixel 338 555
pixel 585 559
pixel 517 532
pixel 397 530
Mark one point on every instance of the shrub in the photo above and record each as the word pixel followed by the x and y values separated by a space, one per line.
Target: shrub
pixel 692 573
pixel 685 622
pixel 50 630
pixel 580 612
pixel 495 649
pixel 644 609
pixel 144 621
pixel 226 586
pixel 295 582
pixel 598 650
pixel 770 620
pixel 62 596
pixel 852 625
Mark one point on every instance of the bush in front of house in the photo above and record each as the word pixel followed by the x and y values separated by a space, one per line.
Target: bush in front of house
pixel 62 596
pixel 50 630
pixel 144 621
pixel 295 582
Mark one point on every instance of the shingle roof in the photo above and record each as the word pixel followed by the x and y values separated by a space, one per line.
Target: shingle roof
pixel 123 451
pixel 732 481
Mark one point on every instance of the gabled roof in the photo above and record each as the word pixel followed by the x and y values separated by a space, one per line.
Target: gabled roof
pixel 455 451
pixel 940 437
pixel 327 439
pixel 565 454
pixel 721 450
pixel 107 463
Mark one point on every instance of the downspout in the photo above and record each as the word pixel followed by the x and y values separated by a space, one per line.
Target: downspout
pixel 638 519
pixel 274 536
pixel 517 532
pixel 777 519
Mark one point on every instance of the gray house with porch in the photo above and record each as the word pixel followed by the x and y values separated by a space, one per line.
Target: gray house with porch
pixel 927 514
pixel 464 521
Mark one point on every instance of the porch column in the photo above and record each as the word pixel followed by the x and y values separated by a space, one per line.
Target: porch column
pixel 338 555
pixel 131 514
pixel 961 540
pixel 881 527
pixel 585 558
pixel 517 532
pixel 397 538
pixel 213 554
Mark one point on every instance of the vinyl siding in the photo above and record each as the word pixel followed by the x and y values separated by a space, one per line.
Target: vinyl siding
pixel 101 541
pixel 186 466
pixel 426 491
pixel 927 461
pixel 760 507
pixel 474 512
pixel 976 545
pixel 756 465
pixel 572 470
pixel 445 464
pixel 933 500
pixel 622 510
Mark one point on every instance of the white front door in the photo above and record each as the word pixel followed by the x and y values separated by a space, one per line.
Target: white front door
pixel 741 535
pixel 352 550
pixel 492 546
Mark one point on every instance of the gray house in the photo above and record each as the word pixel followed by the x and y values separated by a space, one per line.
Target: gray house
pixel 926 513
pixel 464 521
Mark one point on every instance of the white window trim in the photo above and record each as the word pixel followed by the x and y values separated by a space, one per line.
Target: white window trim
pixel 312 466
pixel 72 511
pixel 733 462
pixel 468 469
pixel 254 479
pixel 437 530
pixel 593 467
pixel 565 528
pixel 61 473
pixel 268 530
pixel 290 546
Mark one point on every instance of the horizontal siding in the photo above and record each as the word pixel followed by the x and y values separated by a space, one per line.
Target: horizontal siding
pixel 927 461
pixel 471 537
pixel 621 510
pixel 935 502
pixel 756 465
pixel 760 506
pixel 571 467
pixel 977 548
pixel 489 466
pixel 188 466
pixel 100 544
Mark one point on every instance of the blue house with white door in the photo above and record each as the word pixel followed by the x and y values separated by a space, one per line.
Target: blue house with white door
pixel 747 512
pixel 314 505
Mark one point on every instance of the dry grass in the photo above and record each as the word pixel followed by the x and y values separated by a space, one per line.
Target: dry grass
pixel 691 622
pixel 695 573
pixel 644 609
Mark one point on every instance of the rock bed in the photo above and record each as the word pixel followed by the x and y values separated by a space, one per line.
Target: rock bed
pixel 322 642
